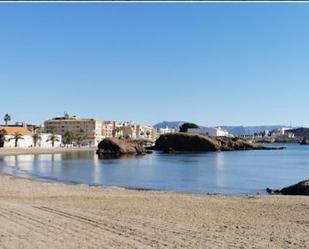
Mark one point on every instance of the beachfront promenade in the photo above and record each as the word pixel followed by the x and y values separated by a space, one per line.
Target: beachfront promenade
pixel 37 214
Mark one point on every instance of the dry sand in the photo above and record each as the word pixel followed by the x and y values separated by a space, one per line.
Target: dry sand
pixel 38 150
pixel 37 214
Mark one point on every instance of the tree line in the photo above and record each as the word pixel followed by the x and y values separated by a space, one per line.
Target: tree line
pixel 68 137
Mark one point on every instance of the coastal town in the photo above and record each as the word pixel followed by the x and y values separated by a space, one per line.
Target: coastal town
pixel 72 131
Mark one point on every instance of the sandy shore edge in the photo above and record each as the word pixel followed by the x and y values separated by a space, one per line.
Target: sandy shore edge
pixel 35 214
pixel 25 151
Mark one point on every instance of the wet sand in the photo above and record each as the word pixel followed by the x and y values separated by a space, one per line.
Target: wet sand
pixel 37 214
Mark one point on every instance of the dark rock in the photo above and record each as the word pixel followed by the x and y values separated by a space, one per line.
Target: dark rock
pixel 169 150
pixel 228 144
pixel 170 143
pixel 272 192
pixel 300 132
pixel 301 188
pixel 305 141
pixel 185 142
pixel 113 147
pixel 140 150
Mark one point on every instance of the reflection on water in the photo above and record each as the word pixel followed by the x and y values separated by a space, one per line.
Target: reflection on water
pixel 243 172
pixel 220 170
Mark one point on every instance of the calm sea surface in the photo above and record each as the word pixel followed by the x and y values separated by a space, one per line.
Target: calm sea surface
pixel 236 173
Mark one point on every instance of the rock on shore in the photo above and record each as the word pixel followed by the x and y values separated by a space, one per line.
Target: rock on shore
pixel 116 147
pixel 186 142
pixel 301 188
pixel 191 142
pixel 305 141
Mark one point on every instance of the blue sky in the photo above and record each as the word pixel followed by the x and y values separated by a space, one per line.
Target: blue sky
pixel 213 64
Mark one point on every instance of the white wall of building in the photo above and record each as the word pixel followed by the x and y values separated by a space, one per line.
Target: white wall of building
pixel 162 131
pixel 210 131
pixel 44 143
pixel 25 142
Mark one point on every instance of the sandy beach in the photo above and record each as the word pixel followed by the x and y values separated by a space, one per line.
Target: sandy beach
pixel 36 214
pixel 25 151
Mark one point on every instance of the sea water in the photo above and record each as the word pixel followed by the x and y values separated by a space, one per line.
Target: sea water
pixel 234 173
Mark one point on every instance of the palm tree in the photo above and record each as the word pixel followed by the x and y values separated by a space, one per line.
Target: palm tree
pixel 6 119
pixel 53 138
pixel 16 136
pixel 116 130
pixel 80 137
pixel 3 133
pixel 36 136
pixel 67 138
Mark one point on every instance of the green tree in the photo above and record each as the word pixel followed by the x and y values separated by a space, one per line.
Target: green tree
pixel 68 138
pixel 36 136
pixel 6 119
pixel 16 137
pixel 116 130
pixel 80 138
pixel 3 133
pixel 127 137
pixel 184 127
pixel 53 138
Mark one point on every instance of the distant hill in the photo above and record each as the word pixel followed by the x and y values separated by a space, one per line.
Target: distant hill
pixel 301 132
pixel 235 130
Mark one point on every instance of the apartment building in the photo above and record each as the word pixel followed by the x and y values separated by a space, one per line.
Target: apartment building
pixel 91 128
pixel 108 128
pixel 126 129
pixel 129 129
pixel 147 132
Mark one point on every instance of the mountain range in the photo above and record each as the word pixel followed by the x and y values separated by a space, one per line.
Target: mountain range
pixel 235 130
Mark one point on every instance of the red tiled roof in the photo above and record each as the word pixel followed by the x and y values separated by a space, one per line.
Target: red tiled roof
pixel 12 130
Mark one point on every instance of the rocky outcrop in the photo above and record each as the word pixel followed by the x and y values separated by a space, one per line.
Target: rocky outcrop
pixel 189 142
pixel 114 147
pixel 185 142
pixel 237 144
pixel 301 188
pixel 305 141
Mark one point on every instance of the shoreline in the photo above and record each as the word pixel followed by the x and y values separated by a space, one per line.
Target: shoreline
pixel 72 183
pixel 139 189
pixel 36 151
pixel 37 214
pixel 26 151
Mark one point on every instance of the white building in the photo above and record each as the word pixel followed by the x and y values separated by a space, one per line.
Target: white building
pixel 166 130
pixel 282 132
pixel 44 141
pixel 25 140
pixel 108 129
pixel 147 132
pixel 126 129
pixel 210 131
